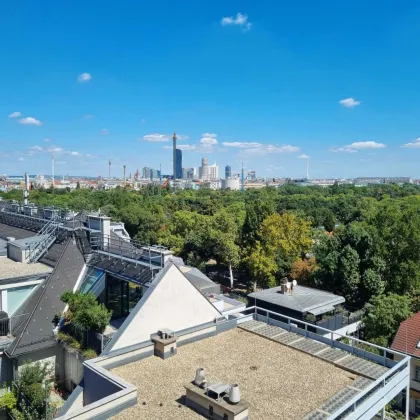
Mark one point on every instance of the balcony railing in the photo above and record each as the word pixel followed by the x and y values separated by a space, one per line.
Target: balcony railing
pixel 10 325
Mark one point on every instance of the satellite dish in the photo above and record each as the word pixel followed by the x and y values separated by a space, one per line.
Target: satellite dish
pixel 294 283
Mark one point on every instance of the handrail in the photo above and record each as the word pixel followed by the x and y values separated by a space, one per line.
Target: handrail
pixel 127 248
pixel 48 234
pixel 255 308
pixel 382 379
pixel 403 364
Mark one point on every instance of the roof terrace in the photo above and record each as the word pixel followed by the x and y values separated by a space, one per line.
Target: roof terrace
pixel 272 377
pixel 284 371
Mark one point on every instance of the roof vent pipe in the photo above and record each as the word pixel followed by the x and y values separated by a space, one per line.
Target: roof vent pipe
pixel 234 394
pixel 199 376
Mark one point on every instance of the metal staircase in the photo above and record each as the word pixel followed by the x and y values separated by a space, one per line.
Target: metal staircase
pixel 47 236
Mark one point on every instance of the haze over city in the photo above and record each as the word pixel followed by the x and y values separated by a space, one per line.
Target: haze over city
pixel 267 86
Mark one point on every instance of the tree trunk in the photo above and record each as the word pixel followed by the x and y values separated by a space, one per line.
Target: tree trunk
pixel 231 276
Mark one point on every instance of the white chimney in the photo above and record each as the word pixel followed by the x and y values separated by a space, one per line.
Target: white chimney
pixel 234 394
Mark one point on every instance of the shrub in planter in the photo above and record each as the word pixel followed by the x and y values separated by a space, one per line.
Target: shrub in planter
pixel 89 354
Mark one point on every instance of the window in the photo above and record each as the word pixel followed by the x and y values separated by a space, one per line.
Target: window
pixel 416 406
pixel 417 374
pixel 225 417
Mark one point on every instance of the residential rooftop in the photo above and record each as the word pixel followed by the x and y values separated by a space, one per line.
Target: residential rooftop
pixel 301 298
pixel 12 269
pixel 271 377
pixel 407 339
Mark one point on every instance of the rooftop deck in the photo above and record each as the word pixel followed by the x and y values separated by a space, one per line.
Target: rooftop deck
pixel 271 377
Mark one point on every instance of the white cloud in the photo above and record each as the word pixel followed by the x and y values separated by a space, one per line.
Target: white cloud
pixel 75 154
pixel 242 145
pixel 36 148
pixel 30 121
pixel 15 115
pixel 349 102
pixel 21 159
pixel 209 135
pixel 413 144
pixel 60 162
pixel 239 20
pixel 156 137
pixel 84 77
pixel 104 131
pixel 55 149
pixel 208 141
pixel 303 157
pixel 47 140
pixel 359 145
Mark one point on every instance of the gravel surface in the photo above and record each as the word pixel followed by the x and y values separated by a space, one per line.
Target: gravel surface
pixel 277 381
pixel 11 269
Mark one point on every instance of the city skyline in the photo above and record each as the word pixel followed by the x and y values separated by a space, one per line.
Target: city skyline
pixel 264 87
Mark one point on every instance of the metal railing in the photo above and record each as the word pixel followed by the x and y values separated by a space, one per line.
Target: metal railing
pixel 371 399
pixel 9 326
pixel 121 248
pixel 46 237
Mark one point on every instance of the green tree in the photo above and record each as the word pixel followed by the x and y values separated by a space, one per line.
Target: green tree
pixel 262 267
pixel 384 315
pixel 85 311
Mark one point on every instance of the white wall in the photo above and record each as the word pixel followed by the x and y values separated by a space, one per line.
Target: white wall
pixel 171 302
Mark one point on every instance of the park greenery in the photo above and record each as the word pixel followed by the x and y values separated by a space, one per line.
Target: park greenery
pixel 358 242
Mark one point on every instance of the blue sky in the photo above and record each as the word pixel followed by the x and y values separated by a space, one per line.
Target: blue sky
pixel 259 82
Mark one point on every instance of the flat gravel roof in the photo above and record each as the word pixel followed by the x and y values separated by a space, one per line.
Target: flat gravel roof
pixel 277 381
pixel 12 269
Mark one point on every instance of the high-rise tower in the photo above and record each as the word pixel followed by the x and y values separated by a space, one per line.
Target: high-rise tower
pixel 228 172
pixel 174 152
pixel 178 163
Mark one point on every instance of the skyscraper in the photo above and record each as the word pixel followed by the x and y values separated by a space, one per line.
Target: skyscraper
pixel 228 172
pixel 146 172
pixel 204 169
pixel 178 173
pixel 174 154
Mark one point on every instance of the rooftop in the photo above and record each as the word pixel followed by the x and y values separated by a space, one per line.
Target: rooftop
pixel 14 232
pixel 301 299
pixel 12 269
pixel 261 367
pixel 408 336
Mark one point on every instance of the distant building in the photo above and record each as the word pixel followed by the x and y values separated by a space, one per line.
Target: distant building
pixel 203 171
pixel 146 172
pixel 228 172
pixel 231 183
pixel 178 163
pixel 154 174
pixel 213 172
pixel 188 173
pixel 251 176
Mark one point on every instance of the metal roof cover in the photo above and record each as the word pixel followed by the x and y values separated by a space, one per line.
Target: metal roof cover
pixel 302 299
pixel 37 330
